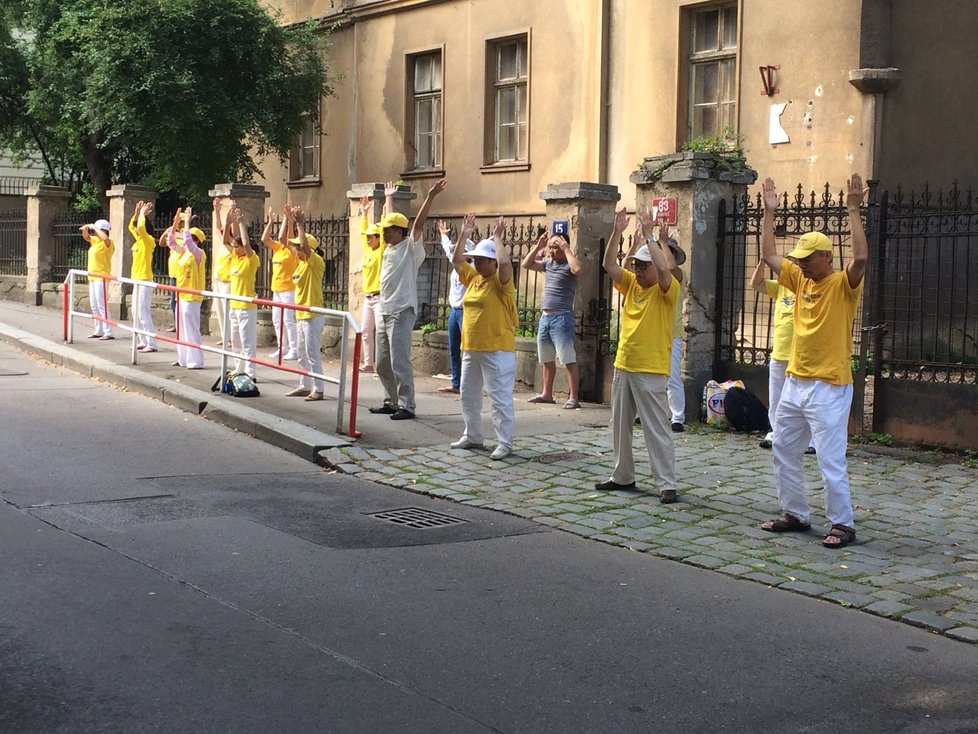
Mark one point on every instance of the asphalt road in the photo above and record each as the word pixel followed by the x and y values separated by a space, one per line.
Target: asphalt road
pixel 159 573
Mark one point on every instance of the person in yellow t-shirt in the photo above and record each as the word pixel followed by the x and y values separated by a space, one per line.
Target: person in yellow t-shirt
pixel 284 262
pixel 100 252
pixel 220 270
pixel 783 330
pixel 243 316
pixel 372 237
pixel 142 269
pixel 488 336
pixel 817 391
pixel 308 279
pixel 644 357
pixel 191 274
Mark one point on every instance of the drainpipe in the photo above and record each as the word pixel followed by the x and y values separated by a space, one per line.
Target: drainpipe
pixel 604 101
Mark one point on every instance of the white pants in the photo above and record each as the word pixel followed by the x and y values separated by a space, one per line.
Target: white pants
pixel 244 338
pixel 394 358
pixel 497 371
pixel 371 317
pixel 310 355
pixel 290 328
pixel 143 317
pixel 643 393
pixel 189 332
pixel 676 390
pixel 775 383
pixel 812 409
pixel 96 297
pixel 221 286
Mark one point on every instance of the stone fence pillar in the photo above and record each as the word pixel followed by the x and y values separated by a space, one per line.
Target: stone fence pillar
pixel 375 190
pixel 122 205
pixel 698 185
pixel 590 210
pixel 44 203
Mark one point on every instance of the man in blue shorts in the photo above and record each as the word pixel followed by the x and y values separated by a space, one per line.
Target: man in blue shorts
pixel 555 333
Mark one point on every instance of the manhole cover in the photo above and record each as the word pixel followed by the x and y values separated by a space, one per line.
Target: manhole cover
pixel 415 517
pixel 561 456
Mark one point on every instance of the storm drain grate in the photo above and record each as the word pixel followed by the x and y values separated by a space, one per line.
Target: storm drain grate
pixel 415 517
pixel 562 456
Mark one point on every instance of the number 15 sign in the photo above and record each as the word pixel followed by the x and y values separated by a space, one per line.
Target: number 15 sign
pixel 665 208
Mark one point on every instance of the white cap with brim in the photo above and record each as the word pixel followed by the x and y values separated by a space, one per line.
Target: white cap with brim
pixel 102 224
pixel 486 248
pixel 643 254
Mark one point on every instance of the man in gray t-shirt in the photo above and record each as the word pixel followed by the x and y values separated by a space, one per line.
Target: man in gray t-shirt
pixel 555 333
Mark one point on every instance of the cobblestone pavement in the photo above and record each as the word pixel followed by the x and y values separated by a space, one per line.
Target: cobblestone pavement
pixel 916 559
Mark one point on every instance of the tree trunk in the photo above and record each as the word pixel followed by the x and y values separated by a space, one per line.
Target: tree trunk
pixel 99 168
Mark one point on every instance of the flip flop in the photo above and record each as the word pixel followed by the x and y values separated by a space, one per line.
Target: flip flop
pixel 540 399
pixel 572 404
pixel 786 524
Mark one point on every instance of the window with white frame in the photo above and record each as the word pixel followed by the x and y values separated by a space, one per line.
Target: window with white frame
pixel 427 118
pixel 510 77
pixel 305 155
pixel 712 71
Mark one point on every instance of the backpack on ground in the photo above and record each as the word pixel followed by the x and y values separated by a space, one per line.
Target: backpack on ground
pixel 237 385
pixel 744 411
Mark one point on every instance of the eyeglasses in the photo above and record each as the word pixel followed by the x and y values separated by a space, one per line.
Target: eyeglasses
pixel 640 264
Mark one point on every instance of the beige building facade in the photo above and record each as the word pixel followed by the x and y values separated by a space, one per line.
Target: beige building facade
pixel 506 96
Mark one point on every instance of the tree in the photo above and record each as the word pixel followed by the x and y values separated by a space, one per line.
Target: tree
pixel 177 94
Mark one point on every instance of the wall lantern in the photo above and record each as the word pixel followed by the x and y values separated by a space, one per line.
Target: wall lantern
pixel 768 81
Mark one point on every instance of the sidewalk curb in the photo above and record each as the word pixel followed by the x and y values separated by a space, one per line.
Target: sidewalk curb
pixel 296 438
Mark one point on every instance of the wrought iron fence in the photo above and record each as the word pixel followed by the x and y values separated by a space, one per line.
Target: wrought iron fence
pixel 745 316
pixel 16 185
pixel 70 248
pixel 925 298
pixel 522 231
pixel 13 243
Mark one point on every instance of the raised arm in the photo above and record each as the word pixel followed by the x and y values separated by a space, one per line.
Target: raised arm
pixel 446 241
pixel 855 194
pixel 610 261
pixel 217 228
pixel 458 251
pixel 390 188
pixel 188 238
pixel 503 261
pixel 656 250
pixel 300 225
pixel 417 231
pixel 133 227
pixel 769 253
pixel 266 233
pixel 757 278
pixel 532 260
pixel 576 267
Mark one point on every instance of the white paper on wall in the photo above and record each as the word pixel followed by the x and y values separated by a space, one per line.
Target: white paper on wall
pixel 776 134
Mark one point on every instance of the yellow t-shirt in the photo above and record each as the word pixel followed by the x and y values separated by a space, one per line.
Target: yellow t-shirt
pixel 645 336
pixel 172 263
pixel 284 263
pixel 489 316
pixel 372 260
pixel 222 267
pixel 308 280
pixel 100 256
pixel 191 274
pixel 243 271
pixel 824 312
pixel 784 319
pixel 678 327
pixel 142 250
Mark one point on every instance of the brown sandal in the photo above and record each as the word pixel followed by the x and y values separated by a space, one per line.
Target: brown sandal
pixel 839 537
pixel 786 524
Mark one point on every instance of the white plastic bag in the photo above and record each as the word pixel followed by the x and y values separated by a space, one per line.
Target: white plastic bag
pixel 713 395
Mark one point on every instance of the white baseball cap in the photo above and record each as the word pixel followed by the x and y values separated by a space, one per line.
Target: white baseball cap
pixel 102 224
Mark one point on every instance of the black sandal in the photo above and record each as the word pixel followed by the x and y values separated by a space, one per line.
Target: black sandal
pixel 786 524
pixel 842 536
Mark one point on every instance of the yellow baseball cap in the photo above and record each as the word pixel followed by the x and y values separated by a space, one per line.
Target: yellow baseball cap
pixel 810 243
pixel 199 234
pixel 372 230
pixel 310 240
pixel 394 220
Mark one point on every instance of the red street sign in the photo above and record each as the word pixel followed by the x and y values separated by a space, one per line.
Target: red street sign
pixel 666 208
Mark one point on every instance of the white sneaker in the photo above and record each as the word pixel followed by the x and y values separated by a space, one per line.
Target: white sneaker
pixel 465 443
pixel 500 452
pixel 291 356
pixel 274 355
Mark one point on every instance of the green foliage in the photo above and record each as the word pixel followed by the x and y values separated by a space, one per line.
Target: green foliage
pixel 175 94
pixel 86 200
pixel 726 148
pixel 970 459
pixel 429 327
